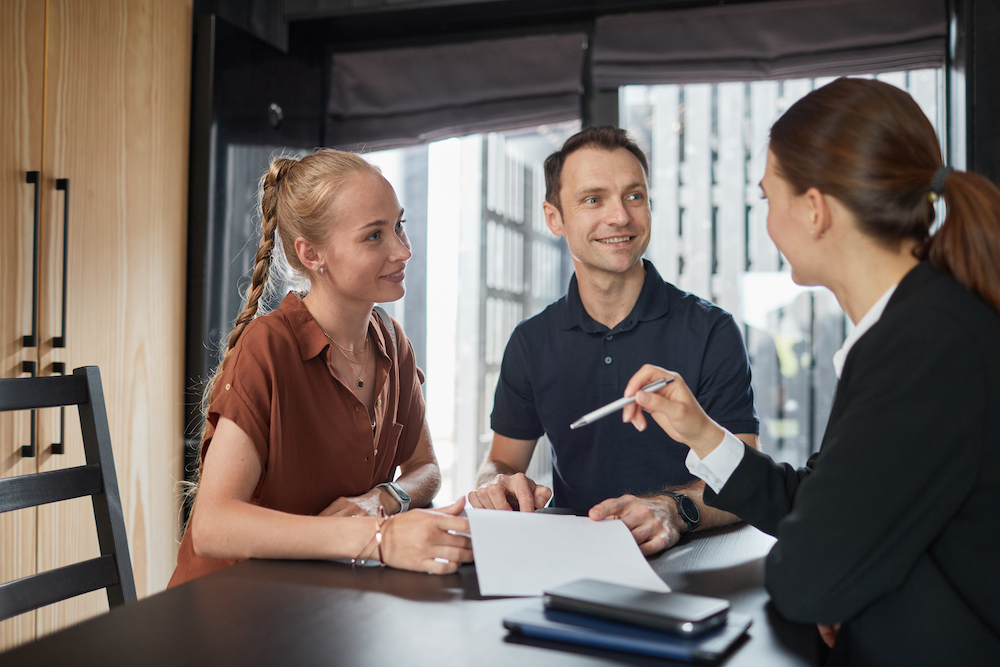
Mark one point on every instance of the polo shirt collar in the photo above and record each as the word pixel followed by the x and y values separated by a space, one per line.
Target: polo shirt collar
pixel 309 335
pixel 653 302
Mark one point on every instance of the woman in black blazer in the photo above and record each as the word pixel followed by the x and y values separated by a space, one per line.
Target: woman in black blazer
pixel 889 537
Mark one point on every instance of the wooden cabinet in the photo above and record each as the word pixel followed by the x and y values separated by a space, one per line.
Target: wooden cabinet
pixel 96 93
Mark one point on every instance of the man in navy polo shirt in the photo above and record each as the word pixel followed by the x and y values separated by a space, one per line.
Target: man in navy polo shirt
pixel 579 353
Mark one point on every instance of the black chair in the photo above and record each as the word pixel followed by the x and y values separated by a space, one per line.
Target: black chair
pixel 112 570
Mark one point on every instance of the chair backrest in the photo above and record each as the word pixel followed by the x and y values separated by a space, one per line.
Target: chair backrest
pixel 112 570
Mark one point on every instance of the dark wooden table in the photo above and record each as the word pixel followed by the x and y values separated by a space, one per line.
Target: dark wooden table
pixel 316 613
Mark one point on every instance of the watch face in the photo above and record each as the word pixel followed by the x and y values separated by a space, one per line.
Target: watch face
pixel 403 495
pixel 689 509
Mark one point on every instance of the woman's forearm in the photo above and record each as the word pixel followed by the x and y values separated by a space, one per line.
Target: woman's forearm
pixel 422 482
pixel 237 529
pixel 420 475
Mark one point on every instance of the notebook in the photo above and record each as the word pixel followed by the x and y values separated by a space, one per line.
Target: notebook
pixel 588 631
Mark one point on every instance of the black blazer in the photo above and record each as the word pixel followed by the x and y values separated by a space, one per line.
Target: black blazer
pixel 893 527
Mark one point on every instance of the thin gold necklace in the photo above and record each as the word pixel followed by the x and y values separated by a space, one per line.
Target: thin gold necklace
pixel 344 349
pixel 364 365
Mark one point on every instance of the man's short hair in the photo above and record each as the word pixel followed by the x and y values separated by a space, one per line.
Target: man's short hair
pixel 605 137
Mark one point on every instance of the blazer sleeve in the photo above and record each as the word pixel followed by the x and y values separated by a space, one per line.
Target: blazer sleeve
pixel 760 490
pixel 899 457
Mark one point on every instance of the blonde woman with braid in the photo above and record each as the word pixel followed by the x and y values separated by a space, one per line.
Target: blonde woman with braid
pixel 313 406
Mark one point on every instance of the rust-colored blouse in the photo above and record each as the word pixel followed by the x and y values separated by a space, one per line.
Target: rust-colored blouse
pixel 311 433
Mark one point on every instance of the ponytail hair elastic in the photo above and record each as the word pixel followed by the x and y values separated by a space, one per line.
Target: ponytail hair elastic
pixel 937 183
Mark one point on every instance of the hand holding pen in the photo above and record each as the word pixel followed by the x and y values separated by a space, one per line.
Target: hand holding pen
pixel 673 407
pixel 614 406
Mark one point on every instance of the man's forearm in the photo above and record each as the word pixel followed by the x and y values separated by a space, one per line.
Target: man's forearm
pixel 490 469
pixel 507 456
pixel 710 517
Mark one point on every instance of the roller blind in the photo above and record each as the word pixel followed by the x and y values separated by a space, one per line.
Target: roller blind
pixel 769 40
pixel 395 97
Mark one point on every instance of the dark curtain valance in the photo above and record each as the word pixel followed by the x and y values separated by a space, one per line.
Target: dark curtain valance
pixel 396 97
pixel 771 40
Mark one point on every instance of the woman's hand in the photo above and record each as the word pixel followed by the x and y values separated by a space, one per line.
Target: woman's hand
pixel 364 505
pixel 829 633
pixel 433 541
pixel 674 408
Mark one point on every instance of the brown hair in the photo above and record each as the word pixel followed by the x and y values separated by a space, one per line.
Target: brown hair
pixel 297 199
pixel 605 137
pixel 868 144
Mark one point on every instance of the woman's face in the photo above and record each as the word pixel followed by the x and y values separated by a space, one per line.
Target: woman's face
pixel 367 251
pixel 789 219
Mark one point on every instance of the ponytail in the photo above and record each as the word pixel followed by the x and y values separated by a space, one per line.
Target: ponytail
pixel 869 144
pixel 967 245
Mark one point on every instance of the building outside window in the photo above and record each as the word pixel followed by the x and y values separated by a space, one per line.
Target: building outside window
pixel 707 145
pixel 489 262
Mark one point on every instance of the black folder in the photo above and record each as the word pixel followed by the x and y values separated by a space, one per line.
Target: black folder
pixel 589 631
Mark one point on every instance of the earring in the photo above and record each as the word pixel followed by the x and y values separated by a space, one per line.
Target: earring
pixel 321 270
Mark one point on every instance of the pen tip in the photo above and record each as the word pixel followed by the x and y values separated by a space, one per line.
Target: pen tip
pixel 576 425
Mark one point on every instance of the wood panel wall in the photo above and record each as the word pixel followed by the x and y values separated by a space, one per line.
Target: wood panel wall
pixel 22 58
pixel 116 109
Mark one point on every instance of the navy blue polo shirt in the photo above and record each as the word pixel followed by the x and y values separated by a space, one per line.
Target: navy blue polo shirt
pixel 561 364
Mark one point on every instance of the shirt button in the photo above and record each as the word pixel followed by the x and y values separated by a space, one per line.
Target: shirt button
pixel 378 401
pixel 366 459
pixel 228 386
pixel 608 337
pixel 607 360
pixel 376 452
pixel 357 409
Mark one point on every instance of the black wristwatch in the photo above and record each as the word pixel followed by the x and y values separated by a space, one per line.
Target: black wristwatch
pixel 400 496
pixel 687 509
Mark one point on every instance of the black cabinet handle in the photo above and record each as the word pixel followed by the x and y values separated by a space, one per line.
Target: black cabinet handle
pixel 63 184
pixel 31 340
pixel 28 451
pixel 60 447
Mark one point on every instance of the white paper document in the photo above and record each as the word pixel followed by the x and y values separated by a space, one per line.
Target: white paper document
pixel 525 553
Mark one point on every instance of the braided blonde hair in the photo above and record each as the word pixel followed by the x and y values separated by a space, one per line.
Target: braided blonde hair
pixel 297 199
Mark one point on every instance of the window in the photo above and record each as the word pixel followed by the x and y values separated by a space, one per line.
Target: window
pixel 707 145
pixel 483 261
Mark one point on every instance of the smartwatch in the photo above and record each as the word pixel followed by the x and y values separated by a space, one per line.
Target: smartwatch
pixel 687 510
pixel 401 497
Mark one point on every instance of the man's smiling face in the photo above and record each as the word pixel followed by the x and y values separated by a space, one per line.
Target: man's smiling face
pixel 605 214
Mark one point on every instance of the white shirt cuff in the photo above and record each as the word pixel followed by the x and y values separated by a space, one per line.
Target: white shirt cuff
pixel 716 468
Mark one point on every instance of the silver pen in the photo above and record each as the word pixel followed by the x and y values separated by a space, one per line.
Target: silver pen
pixel 599 413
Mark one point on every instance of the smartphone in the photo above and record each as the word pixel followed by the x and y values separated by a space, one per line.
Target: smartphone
pixel 677 613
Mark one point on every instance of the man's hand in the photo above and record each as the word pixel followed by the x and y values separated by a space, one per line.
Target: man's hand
pixel 654 522
pixel 511 492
